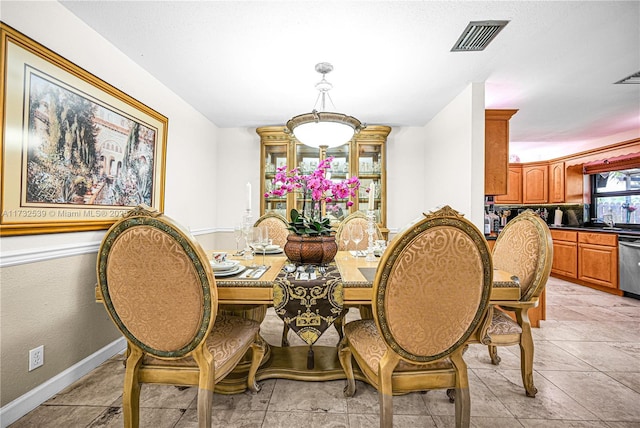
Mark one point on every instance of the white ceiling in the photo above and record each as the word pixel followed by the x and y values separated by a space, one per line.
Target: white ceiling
pixel 251 63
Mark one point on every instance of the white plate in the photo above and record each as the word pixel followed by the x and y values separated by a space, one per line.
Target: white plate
pixel 277 250
pixel 223 266
pixel 239 268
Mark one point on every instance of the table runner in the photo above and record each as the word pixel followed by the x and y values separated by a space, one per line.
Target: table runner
pixel 309 307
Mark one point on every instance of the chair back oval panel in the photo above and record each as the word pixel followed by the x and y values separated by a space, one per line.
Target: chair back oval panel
pixel 525 249
pixel 356 219
pixel 433 288
pixel 156 286
pixel 277 226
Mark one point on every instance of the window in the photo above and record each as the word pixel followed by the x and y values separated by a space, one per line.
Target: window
pixel 617 193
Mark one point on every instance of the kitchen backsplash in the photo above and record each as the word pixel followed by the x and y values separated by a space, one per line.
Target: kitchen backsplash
pixel 572 214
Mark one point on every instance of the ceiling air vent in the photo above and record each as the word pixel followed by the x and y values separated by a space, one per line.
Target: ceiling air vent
pixel 478 35
pixel 634 78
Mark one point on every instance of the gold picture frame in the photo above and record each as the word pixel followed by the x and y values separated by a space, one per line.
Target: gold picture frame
pixel 75 152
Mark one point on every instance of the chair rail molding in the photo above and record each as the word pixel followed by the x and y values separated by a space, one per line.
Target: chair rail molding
pixel 35 255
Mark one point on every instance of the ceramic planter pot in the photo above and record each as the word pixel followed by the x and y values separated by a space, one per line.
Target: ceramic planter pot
pixel 311 250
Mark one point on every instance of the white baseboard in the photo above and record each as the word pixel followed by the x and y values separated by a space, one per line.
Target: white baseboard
pixel 38 395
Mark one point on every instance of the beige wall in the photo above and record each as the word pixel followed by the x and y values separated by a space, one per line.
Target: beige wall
pixel 50 303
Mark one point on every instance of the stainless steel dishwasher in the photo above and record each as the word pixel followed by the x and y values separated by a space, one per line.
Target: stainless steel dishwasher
pixel 629 262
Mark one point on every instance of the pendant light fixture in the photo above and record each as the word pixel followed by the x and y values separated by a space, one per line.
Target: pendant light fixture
pixel 322 128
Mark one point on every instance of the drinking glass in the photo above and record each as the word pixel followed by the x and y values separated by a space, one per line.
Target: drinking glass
pixel 345 238
pixel 255 240
pixel 357 235
pixel 237 234
pixel 265 241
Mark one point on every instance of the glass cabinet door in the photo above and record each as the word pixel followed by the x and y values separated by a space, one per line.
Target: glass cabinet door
pixel 370 170
pixel 307 160
pixel 338 210
pixel 275 156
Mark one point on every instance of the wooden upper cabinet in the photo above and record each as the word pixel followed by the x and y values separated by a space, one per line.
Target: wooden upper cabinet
pixel 556 182
pixel 535 184
pixel 514 186
pixel 496 151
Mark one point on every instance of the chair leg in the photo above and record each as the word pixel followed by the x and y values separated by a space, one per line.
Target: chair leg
pixel 493 354
pixel 206 383
pixel 285 335
pixel 131 393
pixel 385 374
pixel 386 409
pixel 205 403
pixel 258 348
pixel 463 407
pixel 462 395
pixel 526 353
pixel 344 355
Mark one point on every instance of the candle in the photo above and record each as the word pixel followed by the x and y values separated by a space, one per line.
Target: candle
pixel 372 192
pixel 248 196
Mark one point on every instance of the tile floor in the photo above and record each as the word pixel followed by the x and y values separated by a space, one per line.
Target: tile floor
pixel 587 371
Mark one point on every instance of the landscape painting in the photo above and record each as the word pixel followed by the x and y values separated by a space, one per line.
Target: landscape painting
pixel 77 153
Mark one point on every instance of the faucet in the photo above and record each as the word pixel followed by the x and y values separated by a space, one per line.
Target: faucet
pixel 608 220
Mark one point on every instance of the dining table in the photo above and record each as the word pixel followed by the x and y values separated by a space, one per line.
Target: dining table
pixel 250 297
pixel 251 292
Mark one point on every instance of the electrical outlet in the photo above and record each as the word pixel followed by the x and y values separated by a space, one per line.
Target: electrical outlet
pixel 36 357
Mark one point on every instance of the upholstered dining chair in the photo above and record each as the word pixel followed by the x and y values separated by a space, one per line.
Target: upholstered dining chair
pixel 158 288
pixel 430 294
pixel 277 226
pixel 356 219
pixel 525 249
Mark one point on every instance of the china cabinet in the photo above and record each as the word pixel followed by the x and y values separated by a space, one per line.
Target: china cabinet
pixel 363 156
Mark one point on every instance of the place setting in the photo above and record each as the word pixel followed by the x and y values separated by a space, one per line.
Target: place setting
pixel 222 267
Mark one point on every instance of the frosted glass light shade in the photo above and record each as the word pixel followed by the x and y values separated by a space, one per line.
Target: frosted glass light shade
pixel 324 129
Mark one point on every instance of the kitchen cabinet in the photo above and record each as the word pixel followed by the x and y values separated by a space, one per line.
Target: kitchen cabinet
pixel 514 187
pixel 565 253
pixel 598 258
pixel 586 258
pixel 535 183
pixel 364 156
pixel 556 182
pixel 496 151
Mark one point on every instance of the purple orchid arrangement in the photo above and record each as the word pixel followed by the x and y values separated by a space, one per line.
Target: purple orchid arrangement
pixel 320 189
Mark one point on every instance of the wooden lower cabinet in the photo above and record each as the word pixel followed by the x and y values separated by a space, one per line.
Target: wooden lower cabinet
pixel 598 259
pixel 565 253
pixel 586 258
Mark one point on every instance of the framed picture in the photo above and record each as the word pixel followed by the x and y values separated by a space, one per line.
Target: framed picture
pixel 76 153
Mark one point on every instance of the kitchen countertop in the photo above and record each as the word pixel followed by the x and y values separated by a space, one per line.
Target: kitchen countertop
pixel 599 229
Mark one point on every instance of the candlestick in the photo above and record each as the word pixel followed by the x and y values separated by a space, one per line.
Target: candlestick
pixel 247 224
pixel 370 231
pixel 248 196
pixel 372 192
